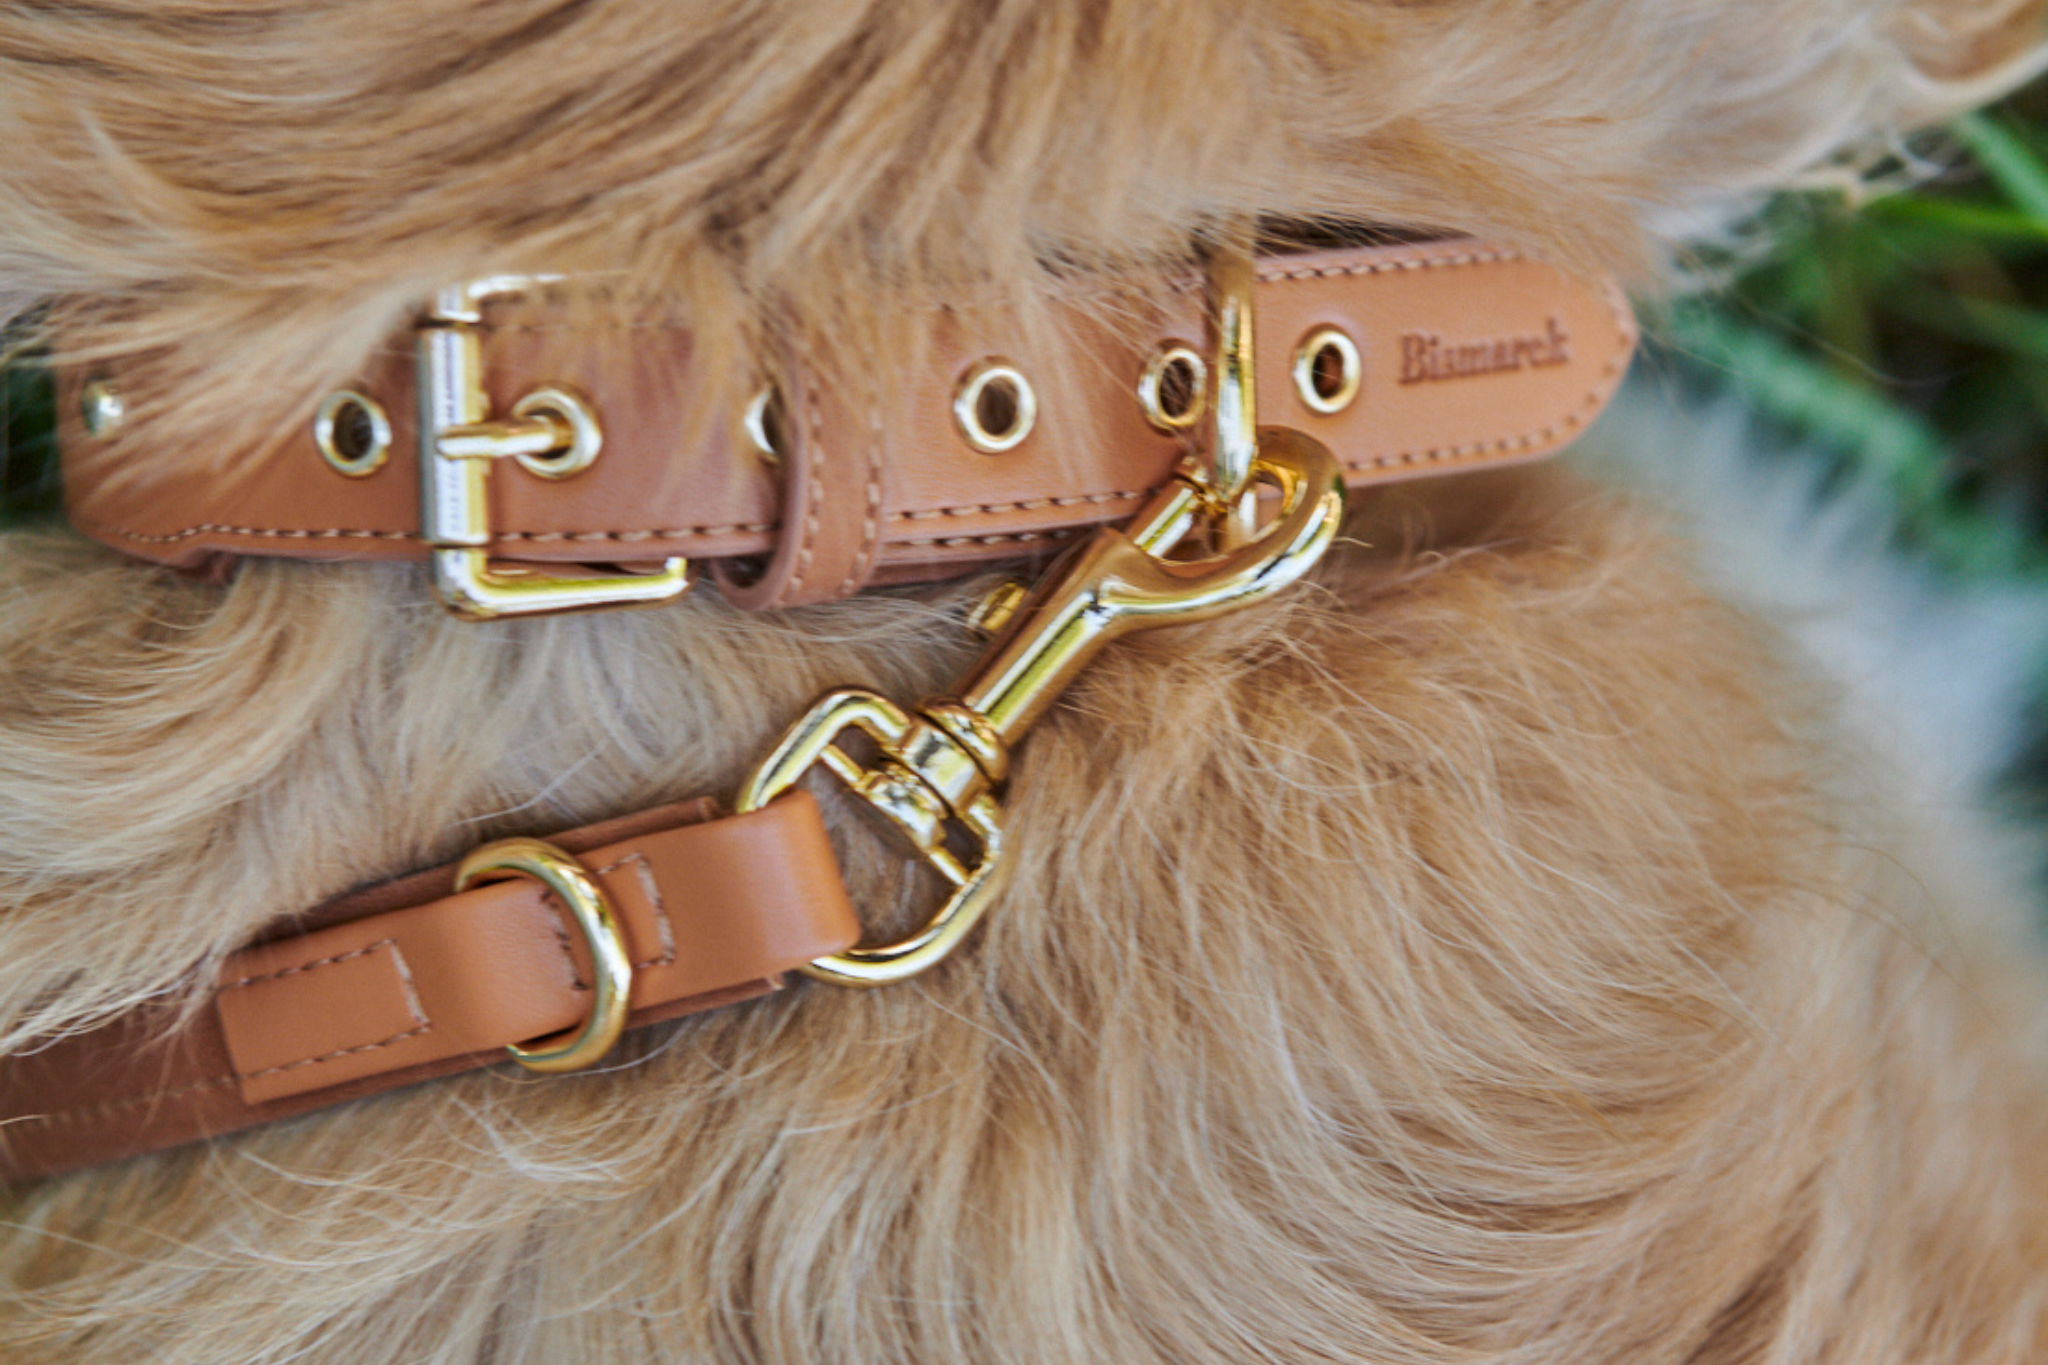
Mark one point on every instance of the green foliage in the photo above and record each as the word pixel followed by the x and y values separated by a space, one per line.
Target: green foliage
pixel 28 442
pixel 1908 338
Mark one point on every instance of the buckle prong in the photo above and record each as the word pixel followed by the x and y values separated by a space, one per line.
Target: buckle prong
pixel 459 440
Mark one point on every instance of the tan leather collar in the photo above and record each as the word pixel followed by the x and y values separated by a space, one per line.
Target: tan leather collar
pixel 1469 355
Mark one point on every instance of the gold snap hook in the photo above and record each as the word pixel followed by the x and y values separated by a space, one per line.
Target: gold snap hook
pixel 937 768
pixel 1234 433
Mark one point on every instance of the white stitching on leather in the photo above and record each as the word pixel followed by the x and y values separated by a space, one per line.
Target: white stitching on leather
pixel 644 871
pixel 871 513
pixel 814 462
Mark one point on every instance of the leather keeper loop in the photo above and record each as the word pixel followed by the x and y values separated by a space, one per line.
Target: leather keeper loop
pixel 834 494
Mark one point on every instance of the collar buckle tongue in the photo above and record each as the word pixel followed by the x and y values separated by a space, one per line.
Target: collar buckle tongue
pixel 552 433
pixel 936 768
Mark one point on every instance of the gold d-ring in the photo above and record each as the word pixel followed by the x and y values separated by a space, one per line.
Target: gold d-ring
pixel 576 889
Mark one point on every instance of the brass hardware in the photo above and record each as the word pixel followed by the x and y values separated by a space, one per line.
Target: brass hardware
pixel 995 406
pixel 993 612
pixel 1233 442
pixel 1174 388
pixel 465 302
pixel 904 797
pixel 1327 370
pixel 102 408
pixel 762 421
pixel 611 959
pixel 577 436
pixel 551 432
pixel 936 769
pixel 353 433
pixel 939 766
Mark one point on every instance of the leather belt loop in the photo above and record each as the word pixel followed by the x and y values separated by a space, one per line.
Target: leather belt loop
pixel 834 501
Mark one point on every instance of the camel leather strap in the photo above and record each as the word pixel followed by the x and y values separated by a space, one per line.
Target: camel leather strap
pixel 1469 355
pixel 407 981
pixel 1455 355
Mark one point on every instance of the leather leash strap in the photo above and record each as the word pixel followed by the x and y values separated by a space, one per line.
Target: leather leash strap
pixel 406 981
pixel 1471 355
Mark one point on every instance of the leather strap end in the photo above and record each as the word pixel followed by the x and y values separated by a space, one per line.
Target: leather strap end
pixel 714 911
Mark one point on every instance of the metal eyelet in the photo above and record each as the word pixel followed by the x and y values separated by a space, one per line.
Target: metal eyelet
pixel 763 423
pixel 1174 388
pixel 584 438
pixel 1327 370
pixel 102 408
pixel 995 406
pixel 353 433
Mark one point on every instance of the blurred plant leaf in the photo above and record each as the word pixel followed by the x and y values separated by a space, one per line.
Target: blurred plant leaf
pixel 28 442
pixel 2006 157
pixel 1908 338
pixel 1889 442
pixel 1947 219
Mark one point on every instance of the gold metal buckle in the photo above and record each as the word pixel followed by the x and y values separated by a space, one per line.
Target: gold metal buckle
pixel 551 431
pixel 587 904
pixel 936 768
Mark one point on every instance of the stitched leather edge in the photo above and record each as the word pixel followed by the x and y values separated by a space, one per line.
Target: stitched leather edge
pixel 1574 419
pixel 421 1024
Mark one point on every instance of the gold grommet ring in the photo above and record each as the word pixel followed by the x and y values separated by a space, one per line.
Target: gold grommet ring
pixel 353 433
pixel 587 904
pixel 994 407
pixel 581 437
pixel 1327 370
pixel 102 408
pixel 763 423
pixel 1174 388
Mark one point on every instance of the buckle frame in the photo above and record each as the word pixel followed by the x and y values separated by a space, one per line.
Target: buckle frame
pixel 458 440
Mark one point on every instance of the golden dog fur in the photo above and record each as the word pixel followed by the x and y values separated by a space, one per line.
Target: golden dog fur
pixel 1492 952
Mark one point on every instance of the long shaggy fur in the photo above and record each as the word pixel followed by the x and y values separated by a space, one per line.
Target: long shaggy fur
pixel 1490 952
pixel 807 170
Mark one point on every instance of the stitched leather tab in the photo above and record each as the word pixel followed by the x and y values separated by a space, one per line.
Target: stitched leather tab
pixel 317 1015
pixel 832 505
